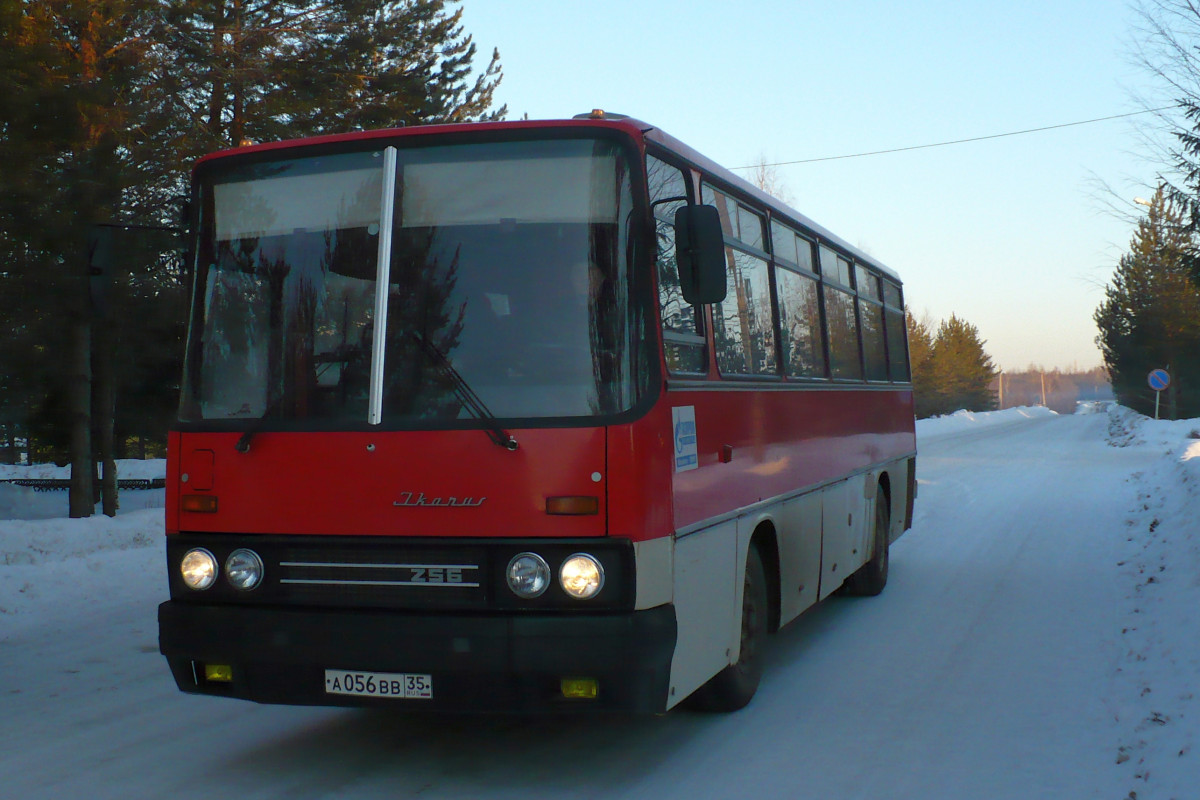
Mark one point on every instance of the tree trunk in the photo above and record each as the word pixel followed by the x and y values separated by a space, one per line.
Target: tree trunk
pixel 79 403
pixel 105 413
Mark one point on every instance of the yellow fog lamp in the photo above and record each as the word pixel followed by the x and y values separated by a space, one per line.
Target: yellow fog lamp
pixel 580 688
pixel 218 673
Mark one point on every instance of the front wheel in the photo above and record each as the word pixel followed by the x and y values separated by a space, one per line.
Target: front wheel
pixel 733 687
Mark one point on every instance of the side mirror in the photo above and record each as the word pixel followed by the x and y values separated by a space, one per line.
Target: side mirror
pixel 183 210
pixel 700 254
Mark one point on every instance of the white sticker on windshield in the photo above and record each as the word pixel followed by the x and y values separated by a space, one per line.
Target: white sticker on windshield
pixel 683 422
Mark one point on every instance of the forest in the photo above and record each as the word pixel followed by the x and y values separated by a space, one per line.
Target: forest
pixel 106 107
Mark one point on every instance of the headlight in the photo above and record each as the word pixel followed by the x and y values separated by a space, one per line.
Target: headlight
pixel 528 575
pixel 244 569
pixel 581 576
pixel 198 568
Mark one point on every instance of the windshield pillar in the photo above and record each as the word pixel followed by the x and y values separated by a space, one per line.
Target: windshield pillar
pixel 383 271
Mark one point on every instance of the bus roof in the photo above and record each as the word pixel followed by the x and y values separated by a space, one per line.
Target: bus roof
pixel 636 128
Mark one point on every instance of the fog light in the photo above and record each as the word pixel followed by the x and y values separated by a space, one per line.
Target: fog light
pixel 581 576
pixel 580 688
pixel 198 568
pixel 244 569
pixel 218 673
pixel 528 575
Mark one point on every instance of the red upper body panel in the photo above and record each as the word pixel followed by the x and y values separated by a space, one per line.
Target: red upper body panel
pixel 391 483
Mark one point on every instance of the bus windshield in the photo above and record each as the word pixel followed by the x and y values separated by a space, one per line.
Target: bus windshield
pixel 509 264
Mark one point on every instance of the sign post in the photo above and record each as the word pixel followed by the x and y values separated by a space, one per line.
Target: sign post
pixel 1158 379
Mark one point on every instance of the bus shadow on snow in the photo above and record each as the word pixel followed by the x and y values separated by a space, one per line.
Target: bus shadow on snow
pixel 389 750
pixel 473 755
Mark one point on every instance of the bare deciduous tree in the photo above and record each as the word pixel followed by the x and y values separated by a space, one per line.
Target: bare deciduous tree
pixel 766 177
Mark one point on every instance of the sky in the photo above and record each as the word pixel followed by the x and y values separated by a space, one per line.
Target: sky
pixel 1015 235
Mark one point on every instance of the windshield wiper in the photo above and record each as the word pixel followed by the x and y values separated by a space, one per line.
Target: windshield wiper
pixel 466 395
pixel 256 426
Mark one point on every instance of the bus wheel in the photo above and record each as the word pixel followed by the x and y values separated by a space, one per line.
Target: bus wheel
pixel 733 687
pixel 872 576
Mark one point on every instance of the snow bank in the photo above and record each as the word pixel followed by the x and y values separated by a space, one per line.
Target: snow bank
pixel 51 566
pixel 1160 562
pixel 51 569
pixel 24 502
pixel 961 421
pixel 127 468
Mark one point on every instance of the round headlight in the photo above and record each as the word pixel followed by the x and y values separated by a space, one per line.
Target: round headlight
pixel 528 575
pixel 581 576
pixel 198 568
pixel 244 569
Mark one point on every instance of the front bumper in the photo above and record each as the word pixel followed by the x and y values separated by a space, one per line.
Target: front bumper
pixel 479 662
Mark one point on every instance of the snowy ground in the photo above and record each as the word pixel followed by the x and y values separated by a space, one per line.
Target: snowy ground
pixel 1038 639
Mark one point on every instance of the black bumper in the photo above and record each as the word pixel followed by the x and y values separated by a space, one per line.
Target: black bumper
pixel 478 662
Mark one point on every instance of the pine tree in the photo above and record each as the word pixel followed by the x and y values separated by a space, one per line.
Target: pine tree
pixel 1150 316
pixel 104 107
pixel 234 71
pixel 962 370
pixel 66 137
pixel 920 350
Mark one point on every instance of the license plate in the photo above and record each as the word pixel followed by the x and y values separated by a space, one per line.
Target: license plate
pixel 399 685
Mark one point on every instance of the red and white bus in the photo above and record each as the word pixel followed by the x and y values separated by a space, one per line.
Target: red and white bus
pixel 526 416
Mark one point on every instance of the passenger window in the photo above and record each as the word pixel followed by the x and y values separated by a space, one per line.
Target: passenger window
pixel 867 283
pixel 738 222
pixel 843 334
pixel 791 247
pixel 743 327
pixel 683 334
pixel 834 267
pixel 896 332
pixel 783 243
pixel 874 354
pixel 799 324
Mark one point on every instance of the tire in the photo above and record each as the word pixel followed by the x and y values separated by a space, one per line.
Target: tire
pixel 871 577
pixel 733 687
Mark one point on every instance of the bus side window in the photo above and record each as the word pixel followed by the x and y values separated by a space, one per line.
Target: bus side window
pixel 797 290
pixel 683 334
pixel 870 316
pixel 840 318
pixel 743 324
pixel 897 333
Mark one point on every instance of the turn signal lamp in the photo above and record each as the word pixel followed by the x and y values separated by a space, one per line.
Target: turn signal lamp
pixel 580 688
pixel 218 673
pixel 199 503
pixel 573 505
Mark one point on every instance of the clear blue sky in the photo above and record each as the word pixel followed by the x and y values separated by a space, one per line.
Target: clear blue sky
pixel 1010 234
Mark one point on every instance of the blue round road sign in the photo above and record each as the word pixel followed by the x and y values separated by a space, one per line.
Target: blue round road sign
pixel 1159 380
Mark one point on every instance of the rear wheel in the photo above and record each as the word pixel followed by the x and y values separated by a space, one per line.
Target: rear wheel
pixel 872 576
pixel 733 687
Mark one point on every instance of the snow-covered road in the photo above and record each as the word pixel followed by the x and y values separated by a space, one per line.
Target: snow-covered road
pixel 1028 645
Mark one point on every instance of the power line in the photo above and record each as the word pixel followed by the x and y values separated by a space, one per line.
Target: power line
pixel 960 141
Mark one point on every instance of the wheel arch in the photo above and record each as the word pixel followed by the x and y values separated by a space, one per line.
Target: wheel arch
pixel 765 541
pixel 885 485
